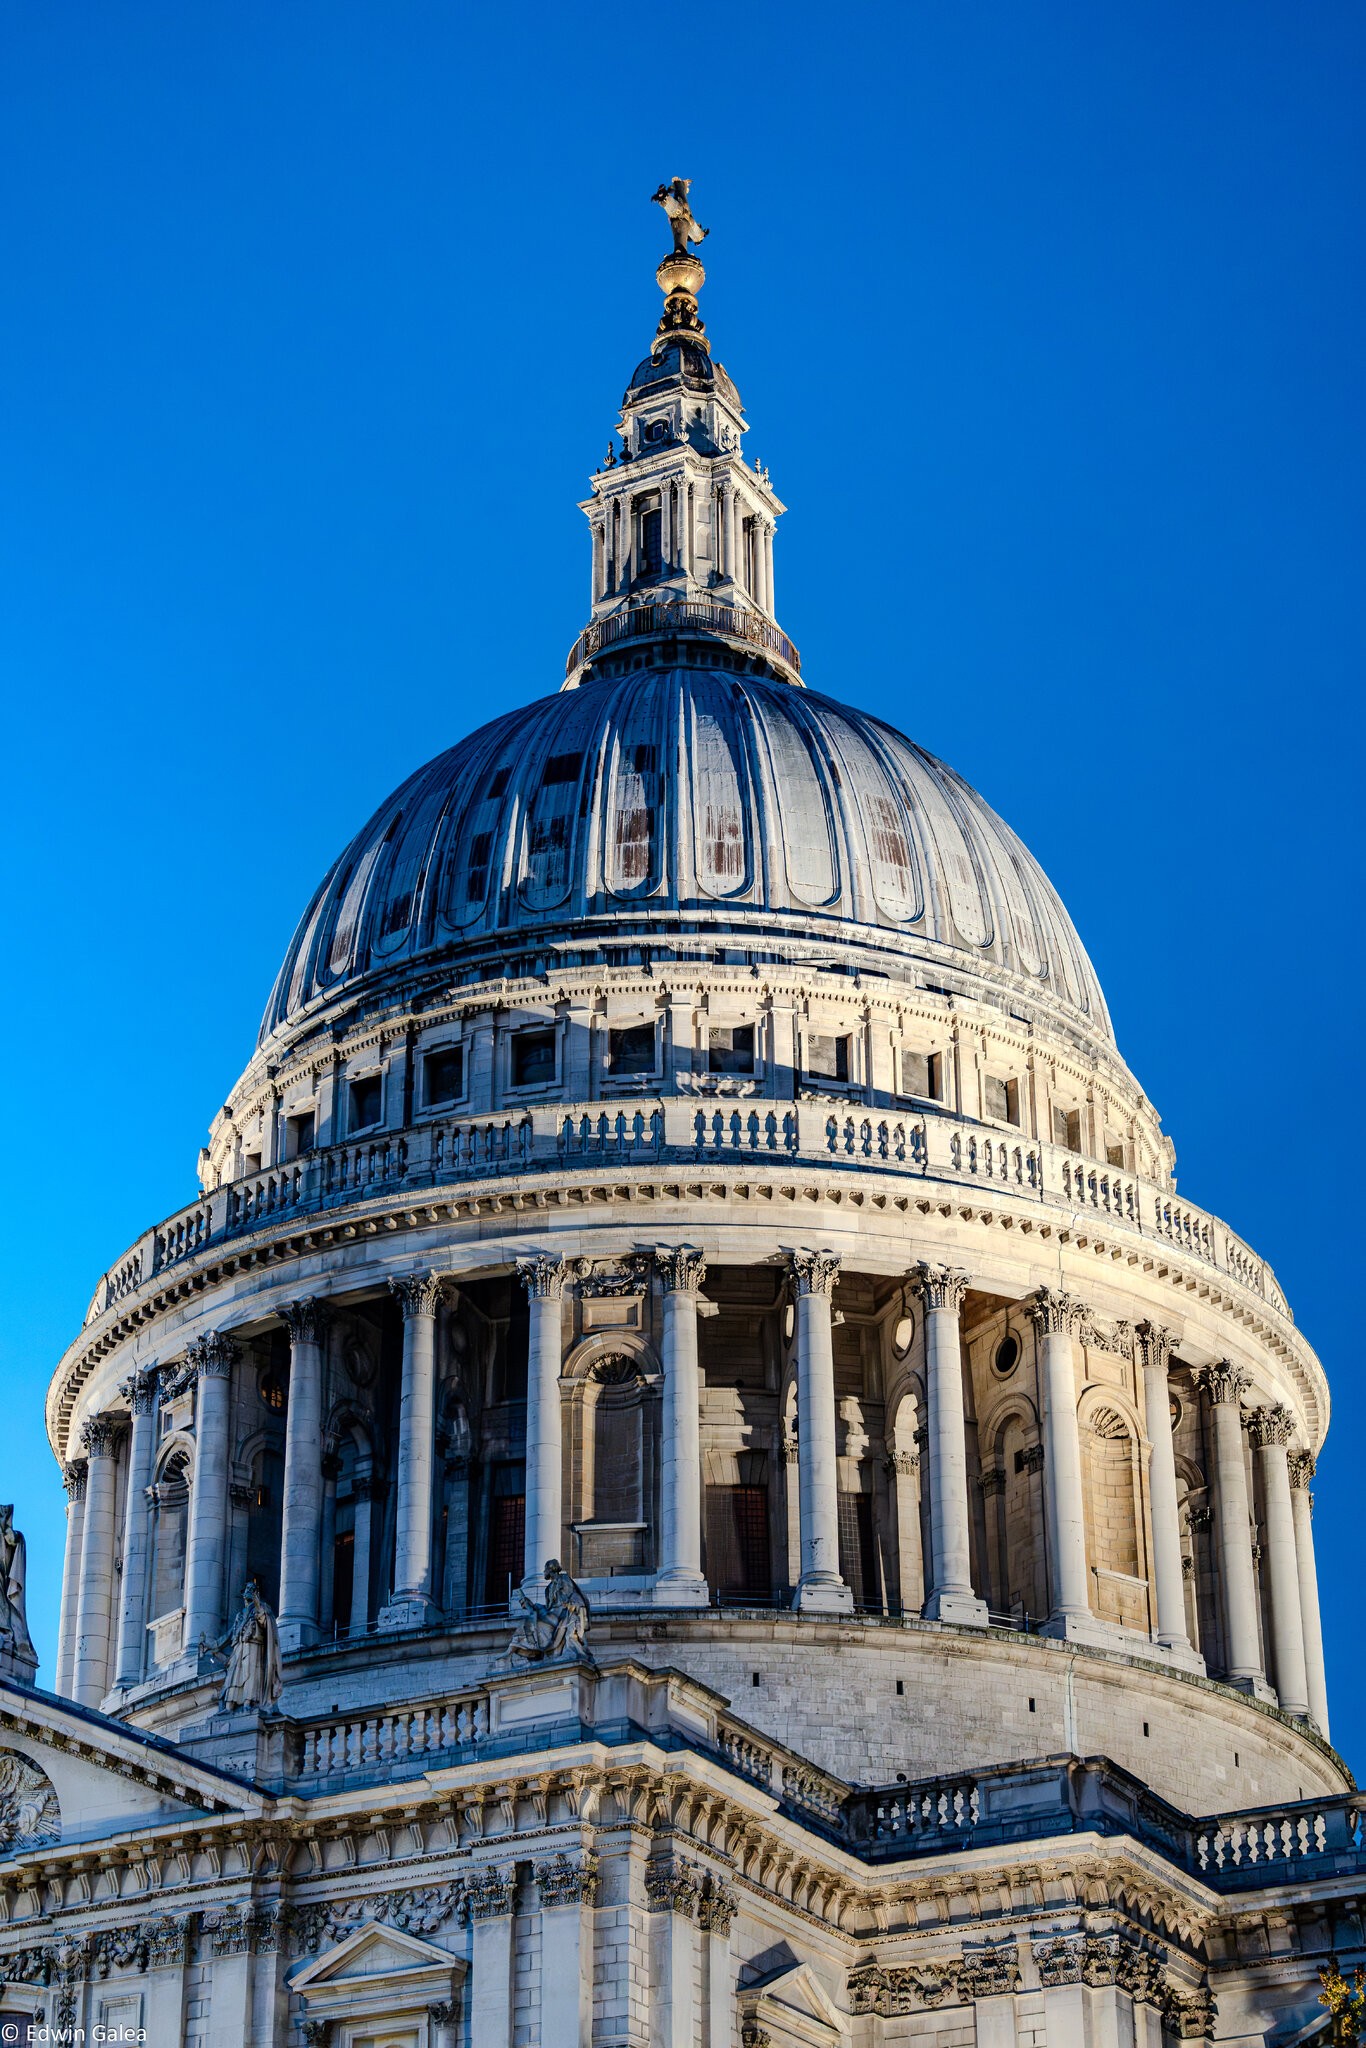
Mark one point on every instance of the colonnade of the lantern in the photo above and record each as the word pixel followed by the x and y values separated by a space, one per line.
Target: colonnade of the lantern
pixel 105 1623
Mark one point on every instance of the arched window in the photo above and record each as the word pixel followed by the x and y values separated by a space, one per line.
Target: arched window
pixel 651 542
pixel 614 1518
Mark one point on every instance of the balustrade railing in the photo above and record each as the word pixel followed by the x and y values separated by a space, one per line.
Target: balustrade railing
pixel 643 621
pixel 681 1130
pixel 374 1743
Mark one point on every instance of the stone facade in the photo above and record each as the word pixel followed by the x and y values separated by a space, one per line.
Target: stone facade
pixel 686 1141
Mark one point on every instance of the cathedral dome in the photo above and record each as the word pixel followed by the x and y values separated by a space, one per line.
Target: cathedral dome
pixel 689 800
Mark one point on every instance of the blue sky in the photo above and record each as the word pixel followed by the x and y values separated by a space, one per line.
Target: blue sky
pixel 1049 321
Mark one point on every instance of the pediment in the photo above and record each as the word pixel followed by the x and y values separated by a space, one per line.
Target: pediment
pixel 794 2006
pixel 378 1959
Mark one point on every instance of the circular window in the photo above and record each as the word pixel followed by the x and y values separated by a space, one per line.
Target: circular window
pixel 902 1335
pixel 1175 1410
pixel 272 1392
pixel 1007 1356
pixel 789 1322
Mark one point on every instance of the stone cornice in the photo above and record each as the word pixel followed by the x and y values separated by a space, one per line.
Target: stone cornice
pixel 777 1186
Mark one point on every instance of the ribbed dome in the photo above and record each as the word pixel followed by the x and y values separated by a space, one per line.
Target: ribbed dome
pixel 687 797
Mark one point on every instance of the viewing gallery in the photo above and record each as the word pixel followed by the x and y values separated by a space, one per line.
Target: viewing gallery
pixel 688 1480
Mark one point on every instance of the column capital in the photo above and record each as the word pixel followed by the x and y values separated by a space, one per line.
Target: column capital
pixel 100 1435
pixel 1301 1467
pixel 1155 1345
pixel 1057 1314
pixel 212 1356
pixel 139 1390
pixel 682 1268
pixel 940 1286
pixel 1274 1425
pixel 1223 1381
pixel 993 1481
pixel 305 1319
pixel 543 1276
pixel 815 1272
pixel 903 1463
pixel 491 1893
pixel 417 1294
pixel 74 1476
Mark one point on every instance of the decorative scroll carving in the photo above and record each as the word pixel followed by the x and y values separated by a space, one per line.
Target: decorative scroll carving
pixel 1301 1467
pixel 991 1971
pixel 543 1276
pixel 417 1294
pixel 816 1272
pixel 607 1277
pixel 1271 1425
pixel 682 1268
pixel 1059 1960
pixel 492 1893
pixel 306 1319
pixel 29 1813
pixel 101 1435
pixel 616 1369
pixel 1156 1345
pixel 562 1882
pixel 211 1356
pixel 1057 1314
pixel 139 1390
pixel 420 1911
pixel 940 1287
pixel 1223 1381
pixel 673 1885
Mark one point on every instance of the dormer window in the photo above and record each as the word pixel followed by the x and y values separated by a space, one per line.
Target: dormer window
pixel 1002 1099
pixel 730 1049
pixel 367 1097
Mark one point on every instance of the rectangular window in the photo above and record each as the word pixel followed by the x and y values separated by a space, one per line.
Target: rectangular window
pixel 1114 1155
pixel 507 1533
pixel 533 1059
pixel 367 1097
pixel 730 1049
pixel 343 1578
pixel 651 549
pixel 444 1075
pixel 827 1058
pixel 738 1560
pixel 1002 1099
pixel 858 1556
pixel 1067 1127
pixel 631 1049
pixel 298 1135
pixel 922 1075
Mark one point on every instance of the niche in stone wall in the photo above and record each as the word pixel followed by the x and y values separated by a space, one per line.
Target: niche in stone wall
pixel 171 1512
pixel 1110 1470
pixel 615 1445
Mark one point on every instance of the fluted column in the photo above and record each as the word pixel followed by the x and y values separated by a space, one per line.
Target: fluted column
pixel 419 1295
pixel 951 1596
pixel 73 1479
pixel 301 1535
pixel 544 1279
pixel 1301 1470
pixel 680 1580
pixel 95 1604
pixel 1155 1349
pixel 1225 1386
pixel 1271 1430
pixel 820 1586
pixel 140 1392
pixel 211 1360
pixel 1057 1318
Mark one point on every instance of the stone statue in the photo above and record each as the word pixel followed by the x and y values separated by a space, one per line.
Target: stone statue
pixel 18 1658
pixel 253 1677
pixel 673 197
pixel 557 1628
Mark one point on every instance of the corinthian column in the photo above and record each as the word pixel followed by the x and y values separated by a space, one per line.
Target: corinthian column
pixel 1271 1430
pixel 94 1607
pixel 543 1278
pixel 301 1535
pixel 411 1604
pixel 1057 1318
pixel 73 1479
pixel 680 1580
pixel 211 1360
pixel 1225 1386
pixel 820 1586
pixel 1301 1464
pixel 139 1391
pixel 951 1598
pixel 1155 1348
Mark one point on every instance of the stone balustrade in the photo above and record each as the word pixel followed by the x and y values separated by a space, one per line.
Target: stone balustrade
pixel 930 1145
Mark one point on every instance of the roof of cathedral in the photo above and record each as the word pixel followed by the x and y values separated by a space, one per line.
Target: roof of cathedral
pixel 680 799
